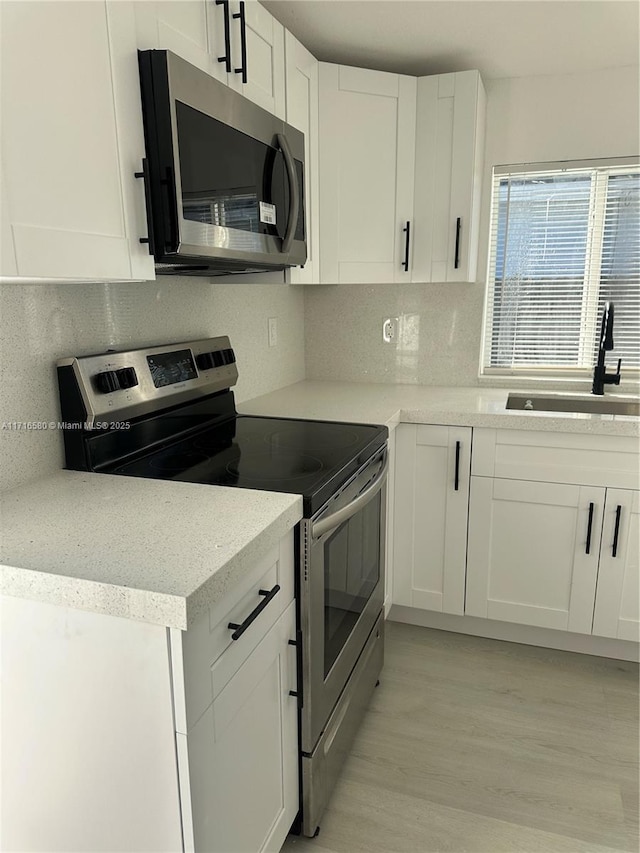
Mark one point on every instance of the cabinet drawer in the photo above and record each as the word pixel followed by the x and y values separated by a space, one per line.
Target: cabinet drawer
pixel 205 657
pixel 557 457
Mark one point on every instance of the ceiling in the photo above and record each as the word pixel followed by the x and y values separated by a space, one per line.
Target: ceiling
pixel 501 38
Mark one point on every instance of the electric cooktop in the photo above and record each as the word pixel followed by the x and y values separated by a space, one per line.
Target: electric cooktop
pixel 274 454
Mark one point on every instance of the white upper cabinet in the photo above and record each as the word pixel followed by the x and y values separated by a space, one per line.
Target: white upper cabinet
pixel 262 56
pixel 302 112
pixel 367 140
pixel 71 142
pixel 236 41
pixel 448 175
pixel 181 26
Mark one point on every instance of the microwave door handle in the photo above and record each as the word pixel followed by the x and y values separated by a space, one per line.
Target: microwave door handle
pixel 294 193
pixel 348 511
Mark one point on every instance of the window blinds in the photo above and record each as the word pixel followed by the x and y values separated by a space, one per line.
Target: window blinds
pixel 563 241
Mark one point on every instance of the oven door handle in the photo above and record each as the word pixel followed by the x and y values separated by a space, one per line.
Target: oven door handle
pixel 342 515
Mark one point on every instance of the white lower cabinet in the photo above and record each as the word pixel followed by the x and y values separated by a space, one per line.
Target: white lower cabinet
pixel 236 714
pixel 128 736
pixel 533 552
pixel 431 500
pixel 243 752
pixel 617 610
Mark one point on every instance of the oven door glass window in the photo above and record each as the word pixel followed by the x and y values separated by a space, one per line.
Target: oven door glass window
pixel 351 574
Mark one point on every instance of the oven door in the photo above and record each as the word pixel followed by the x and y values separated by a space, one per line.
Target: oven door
pixel 341 589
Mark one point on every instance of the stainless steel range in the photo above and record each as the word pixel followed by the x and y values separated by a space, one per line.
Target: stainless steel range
pixel 168 412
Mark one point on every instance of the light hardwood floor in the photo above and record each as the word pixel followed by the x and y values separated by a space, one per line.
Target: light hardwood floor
pixel 488 747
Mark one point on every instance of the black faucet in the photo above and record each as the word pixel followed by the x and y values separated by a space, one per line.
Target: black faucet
pixel 600 375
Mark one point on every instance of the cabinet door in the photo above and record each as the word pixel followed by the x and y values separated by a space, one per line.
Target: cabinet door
pixel 367 142
pixel 449 162
pixel 302 112
pixel 264 37
pixel 431 516
pixel 243 753
pixel 617 610
pixel 527 557
pixel 59 142
pixel 180 26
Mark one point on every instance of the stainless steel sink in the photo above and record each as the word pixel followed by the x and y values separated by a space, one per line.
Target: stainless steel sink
pixel 607 405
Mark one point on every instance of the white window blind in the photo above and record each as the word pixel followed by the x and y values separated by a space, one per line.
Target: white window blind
pixel 564 239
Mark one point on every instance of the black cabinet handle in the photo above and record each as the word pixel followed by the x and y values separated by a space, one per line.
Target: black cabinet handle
pixel 298 693
pixel 144 174
pixel 589 528
pixel 456 481
pixel 456 257
pixel 227 35
pixel 243 42
pixel 616 532
pixel 238 630
pixel 407 231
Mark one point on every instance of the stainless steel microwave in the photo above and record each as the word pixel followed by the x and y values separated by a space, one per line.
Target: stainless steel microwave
pixel 224 179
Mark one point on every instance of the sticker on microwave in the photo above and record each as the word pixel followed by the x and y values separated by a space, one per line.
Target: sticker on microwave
pixel 267 213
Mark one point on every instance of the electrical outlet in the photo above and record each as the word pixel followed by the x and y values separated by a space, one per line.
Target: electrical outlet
pixel 273 331
pixel 390 330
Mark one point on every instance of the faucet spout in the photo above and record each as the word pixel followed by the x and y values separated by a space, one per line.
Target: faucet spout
pixel 600 375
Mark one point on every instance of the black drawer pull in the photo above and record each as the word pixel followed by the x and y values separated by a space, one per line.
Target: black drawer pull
pixel 243 42
pixel 456 258
pixel 456 483
pixel 298 693
pixel 227 36
pixel 616 532
pixel 589 526
pixel 407 232
pixel 144 174
pixel 238 630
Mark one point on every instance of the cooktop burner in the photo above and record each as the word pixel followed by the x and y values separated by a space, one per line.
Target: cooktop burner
pixel 274 466
pixel 276 454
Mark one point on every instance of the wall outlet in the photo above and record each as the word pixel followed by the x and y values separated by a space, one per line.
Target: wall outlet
pixel 272 323
pixel 390 330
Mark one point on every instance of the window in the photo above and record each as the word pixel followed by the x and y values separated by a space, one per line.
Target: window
pixel 564 239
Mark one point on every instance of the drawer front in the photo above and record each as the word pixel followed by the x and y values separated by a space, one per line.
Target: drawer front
pixel 557 457
pixel 208 654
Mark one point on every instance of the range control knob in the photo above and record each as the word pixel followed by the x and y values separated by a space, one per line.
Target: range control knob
pixel 205 360
pixel 229 356
pixel 107 381
pixel 127 377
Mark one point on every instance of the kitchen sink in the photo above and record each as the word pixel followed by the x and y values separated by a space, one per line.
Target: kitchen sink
pixel 607 405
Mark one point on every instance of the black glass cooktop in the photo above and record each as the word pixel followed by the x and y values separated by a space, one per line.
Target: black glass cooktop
pixel 309 458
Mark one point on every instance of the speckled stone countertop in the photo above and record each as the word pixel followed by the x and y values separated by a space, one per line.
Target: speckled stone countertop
pixel 389 404
pixel 152 550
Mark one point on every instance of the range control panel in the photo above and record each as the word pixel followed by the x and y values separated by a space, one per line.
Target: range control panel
pixel 120 385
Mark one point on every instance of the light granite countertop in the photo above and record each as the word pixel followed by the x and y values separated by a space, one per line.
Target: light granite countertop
pixel 153 550
pixel 390 404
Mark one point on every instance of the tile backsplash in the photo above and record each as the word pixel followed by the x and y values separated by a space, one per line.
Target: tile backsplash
pixel 44 322
pixel 438 341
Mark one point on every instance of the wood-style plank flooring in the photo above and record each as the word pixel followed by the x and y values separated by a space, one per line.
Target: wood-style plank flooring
pixel 484 746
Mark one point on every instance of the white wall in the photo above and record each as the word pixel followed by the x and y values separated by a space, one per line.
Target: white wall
pixel 529 119
pixel 43 322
